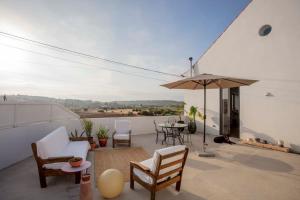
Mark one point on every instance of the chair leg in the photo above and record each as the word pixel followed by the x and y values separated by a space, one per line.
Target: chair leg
pixel 156 138
pixel 113 143
pixel 178 184
pixel 43 182
pixel 152 195
pixel 131 178
pixel 77 177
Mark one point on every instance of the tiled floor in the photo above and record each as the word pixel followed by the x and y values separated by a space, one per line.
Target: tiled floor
pixel 237 172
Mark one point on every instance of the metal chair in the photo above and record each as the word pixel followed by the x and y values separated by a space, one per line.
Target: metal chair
pixel 158 132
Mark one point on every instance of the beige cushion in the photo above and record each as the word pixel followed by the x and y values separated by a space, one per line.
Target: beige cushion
pixel 121 136
pixel 122 126
pixel 152 162
pixel 144 177
pixel 58 165
pixel 53 143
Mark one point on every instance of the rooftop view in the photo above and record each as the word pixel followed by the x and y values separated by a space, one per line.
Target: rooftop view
pixel 187 100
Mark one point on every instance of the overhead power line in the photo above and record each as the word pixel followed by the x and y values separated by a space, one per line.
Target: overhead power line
pixel 81 63
pixel 44 44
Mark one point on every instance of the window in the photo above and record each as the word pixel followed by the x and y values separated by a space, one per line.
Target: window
pixel 265 30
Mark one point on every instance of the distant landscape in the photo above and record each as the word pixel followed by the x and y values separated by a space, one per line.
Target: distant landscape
pixel 97 109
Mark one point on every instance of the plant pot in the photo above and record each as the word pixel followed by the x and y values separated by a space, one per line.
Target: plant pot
pixel 75 162
pixel 93 146
pixel 192 127
pixel 102 142
pixel 90 139
pixel 86 177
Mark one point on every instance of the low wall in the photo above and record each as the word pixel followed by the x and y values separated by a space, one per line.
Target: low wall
pixel 24 123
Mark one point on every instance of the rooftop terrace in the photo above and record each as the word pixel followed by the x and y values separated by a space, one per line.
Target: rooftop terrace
pixel 237 172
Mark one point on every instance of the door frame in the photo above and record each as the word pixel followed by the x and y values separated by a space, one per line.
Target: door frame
pixel 221 122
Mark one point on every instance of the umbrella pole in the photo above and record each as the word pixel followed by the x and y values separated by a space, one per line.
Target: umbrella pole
pixel 204 116
pixel 205 153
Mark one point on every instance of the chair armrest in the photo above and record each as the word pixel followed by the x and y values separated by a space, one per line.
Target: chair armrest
pixel 139 166
pixel 57 159
pixel 113 134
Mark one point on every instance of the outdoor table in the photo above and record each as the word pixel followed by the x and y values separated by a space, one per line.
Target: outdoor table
pixel 176 129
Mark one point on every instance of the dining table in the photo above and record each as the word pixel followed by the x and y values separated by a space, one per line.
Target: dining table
pixel 173 130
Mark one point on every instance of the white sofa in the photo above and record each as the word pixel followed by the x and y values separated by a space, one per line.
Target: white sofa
pixel 54 150
pixel 58 144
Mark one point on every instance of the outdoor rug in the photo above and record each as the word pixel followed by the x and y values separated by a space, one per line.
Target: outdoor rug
pixel 118 158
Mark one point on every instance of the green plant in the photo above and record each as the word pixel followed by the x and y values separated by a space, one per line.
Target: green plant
pixel 193 112
pixel 87 127
pixel 102 133
pixel 76 135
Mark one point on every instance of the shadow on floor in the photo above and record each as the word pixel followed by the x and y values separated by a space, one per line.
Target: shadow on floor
pixel 197 164
pixel 262 163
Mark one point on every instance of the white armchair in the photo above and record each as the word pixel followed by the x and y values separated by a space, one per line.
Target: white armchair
pixel 122 133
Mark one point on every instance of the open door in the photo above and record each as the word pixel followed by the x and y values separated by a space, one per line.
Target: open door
pixel 230 112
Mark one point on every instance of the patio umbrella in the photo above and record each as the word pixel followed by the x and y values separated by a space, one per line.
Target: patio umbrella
pixel 207 81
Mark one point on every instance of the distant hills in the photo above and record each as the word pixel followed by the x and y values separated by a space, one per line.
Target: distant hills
pixel 76 103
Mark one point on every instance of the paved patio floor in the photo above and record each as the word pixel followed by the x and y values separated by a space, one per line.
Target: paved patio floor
pixel 237 172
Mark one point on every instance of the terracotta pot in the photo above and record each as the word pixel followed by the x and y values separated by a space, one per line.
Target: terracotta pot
pixel 75 163
pixel 86 177
pixel 93 146
pixel 91 140
pixel 102 142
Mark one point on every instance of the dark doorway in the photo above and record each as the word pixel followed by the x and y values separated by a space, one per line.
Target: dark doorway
pixel 230 112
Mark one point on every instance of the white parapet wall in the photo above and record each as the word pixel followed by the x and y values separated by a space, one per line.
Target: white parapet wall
pixel 22 124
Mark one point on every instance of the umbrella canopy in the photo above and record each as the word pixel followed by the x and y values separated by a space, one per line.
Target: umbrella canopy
pixel 208 81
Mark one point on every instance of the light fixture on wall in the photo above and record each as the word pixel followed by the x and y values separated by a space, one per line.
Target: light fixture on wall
pixel 269 94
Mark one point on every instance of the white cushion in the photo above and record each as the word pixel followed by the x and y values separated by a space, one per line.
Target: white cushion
pixel 58 165
pixel 53 143
pixel 166 151
pixel 144 177
pixel 121 136
pixel 122 126
pixel 152 162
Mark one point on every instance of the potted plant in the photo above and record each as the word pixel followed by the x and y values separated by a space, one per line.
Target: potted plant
pixel 75 162
pixel 192 127
pixel 102 135
pixel 87 126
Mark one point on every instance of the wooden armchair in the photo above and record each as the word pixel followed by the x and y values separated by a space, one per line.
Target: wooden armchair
pixel 122 133
pixel 162 170
pixel 54 170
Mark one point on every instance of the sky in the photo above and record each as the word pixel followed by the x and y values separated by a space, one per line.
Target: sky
pixel 158 34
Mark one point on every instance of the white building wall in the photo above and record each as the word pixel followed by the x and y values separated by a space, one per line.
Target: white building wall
pixel 274 60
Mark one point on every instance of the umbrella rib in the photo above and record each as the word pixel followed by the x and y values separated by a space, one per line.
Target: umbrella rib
pixel 235 81
pixel 178 85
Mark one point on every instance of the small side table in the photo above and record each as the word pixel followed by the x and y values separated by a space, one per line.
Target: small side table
pixel 69 169
pixel 77 170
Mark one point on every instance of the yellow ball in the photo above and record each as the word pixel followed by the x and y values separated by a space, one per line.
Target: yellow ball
pixel 110 183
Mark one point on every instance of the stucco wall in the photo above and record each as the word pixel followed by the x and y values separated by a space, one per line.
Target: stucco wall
pixel 274 60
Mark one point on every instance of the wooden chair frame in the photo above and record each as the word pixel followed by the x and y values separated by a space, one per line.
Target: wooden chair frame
pixel 116 141
pixel 155 186
pixel 43 172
